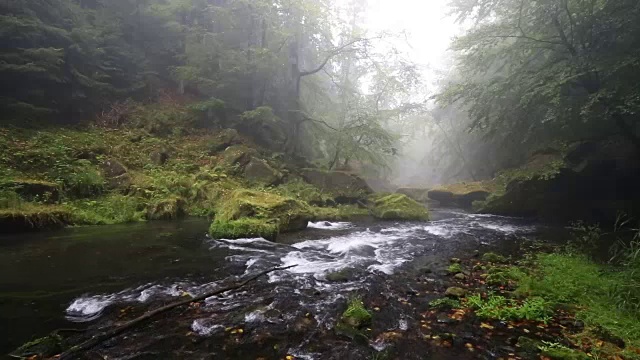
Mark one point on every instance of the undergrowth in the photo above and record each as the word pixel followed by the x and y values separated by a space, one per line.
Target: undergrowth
pixel 502 308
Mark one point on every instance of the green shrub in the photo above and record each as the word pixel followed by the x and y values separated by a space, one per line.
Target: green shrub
pixel 445 303
pixel 501 308
pixel 356 315
pixel 111 209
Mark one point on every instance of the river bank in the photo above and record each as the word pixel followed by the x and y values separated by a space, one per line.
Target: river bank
pixel 57 177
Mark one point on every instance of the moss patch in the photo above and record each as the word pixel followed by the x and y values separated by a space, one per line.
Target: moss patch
pixel 244 228
pixel 265 208
pixel 397 207
pixel 34 217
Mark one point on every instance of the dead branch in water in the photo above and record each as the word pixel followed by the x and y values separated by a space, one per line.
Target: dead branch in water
pixel 97 339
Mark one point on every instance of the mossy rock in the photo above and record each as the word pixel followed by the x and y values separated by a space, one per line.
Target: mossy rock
pixel 244 228
pixel 455 292
pixel 223 140
pixel 260 172
pixel 462 194
pixel 168 209
pixel 340 213
pixel 494 258
pixel 116 174
pixel 454 268
pixel 34 217
pixel 397 207
pixel 238 156
pixel 33 190
pixel 342 275
pixel 284 213
pixel 417 194
pixel 43 347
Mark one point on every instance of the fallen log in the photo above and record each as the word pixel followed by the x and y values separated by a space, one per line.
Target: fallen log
pixel 97 339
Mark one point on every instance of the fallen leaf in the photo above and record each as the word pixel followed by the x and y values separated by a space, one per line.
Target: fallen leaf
pixel 486 326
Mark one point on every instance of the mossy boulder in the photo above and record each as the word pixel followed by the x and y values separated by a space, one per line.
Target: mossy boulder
pixel 31 217
pixel 245 209
pixel 397 207
pixel 417 194
pixel 259 171
pixel 116 174
pixel 345 187
pixel 238 156
pixel 223 140
pixel 43 347
pixel 245 228
pixel 455 292
pixel 493 257
pixel 159 157
pixel 34 190
pixel 462 194
pixel 168 209
pixel 342 275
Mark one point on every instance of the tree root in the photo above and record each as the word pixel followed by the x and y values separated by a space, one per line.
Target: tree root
pixel 98 339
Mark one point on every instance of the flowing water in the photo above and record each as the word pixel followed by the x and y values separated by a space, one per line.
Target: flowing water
pixel 91 277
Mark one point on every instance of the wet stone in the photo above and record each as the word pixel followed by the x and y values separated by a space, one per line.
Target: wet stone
pixel 455 292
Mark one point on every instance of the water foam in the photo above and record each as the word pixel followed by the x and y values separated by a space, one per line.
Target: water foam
pixel 326 225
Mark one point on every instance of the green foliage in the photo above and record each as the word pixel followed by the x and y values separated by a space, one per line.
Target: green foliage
pixel 82 179
pixel 445 303
pixel 547 70
pixel 585 239
pixel 110 209
pixel 499 307
pixel 504 275
pixel 208 105
pixel 454 268
pixel 574 279
pixel 356 314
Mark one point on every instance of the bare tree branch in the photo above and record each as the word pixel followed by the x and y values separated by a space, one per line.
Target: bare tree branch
pixel 330 56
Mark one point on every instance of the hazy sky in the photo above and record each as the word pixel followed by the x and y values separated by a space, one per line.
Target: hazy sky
pixel 428 26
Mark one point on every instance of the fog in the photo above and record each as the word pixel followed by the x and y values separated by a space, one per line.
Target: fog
pixel 426 30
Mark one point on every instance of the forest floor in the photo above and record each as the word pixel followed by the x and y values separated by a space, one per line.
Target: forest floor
pixel 549 304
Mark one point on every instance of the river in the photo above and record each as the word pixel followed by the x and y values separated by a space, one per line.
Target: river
pixel 91 277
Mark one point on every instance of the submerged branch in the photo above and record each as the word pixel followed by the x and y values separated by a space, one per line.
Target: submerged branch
pixel 95 340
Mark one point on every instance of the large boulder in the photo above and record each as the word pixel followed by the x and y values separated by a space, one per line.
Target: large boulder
pixel 223 140
pixel 116 174
pixel 248 213
pixel 159 157
pixel 167 209
pixel 591 181
pixel 397 207
pixel 238 156
pixel 346 187
pixel 462 194
pixel 259 171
